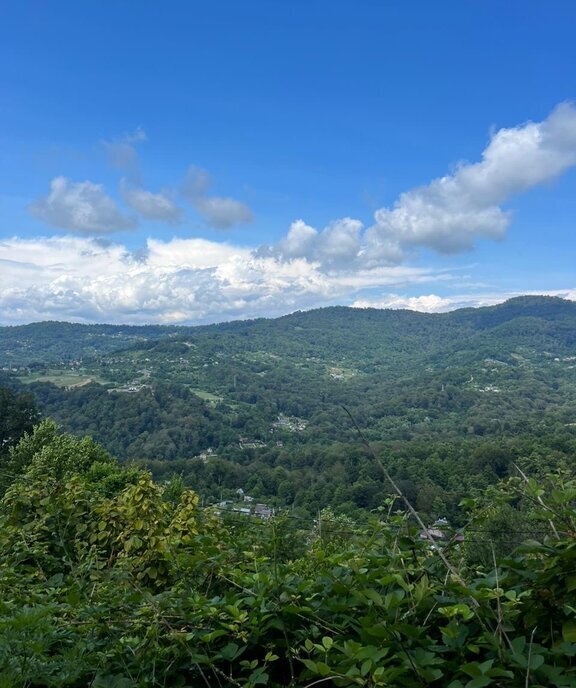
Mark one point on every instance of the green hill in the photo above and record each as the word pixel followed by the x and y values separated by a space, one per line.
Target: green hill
pixel 451 399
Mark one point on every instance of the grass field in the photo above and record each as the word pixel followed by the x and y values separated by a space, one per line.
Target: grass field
pixel 206 396
pixel 63 378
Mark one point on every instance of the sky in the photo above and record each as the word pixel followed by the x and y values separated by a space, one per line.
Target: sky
pixel 193 162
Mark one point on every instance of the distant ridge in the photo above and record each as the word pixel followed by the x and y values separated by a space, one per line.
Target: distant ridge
pixel 355 329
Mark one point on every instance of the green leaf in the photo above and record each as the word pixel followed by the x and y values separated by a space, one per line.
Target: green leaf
pixel 310 665
pixel 258 677
pixel 461 609
pixel 231 651
pixel 209 637
pixel 472 669
pixel 374 596
pixel 479 682
pixel 486 666
pixel 536 661
pixel 518 644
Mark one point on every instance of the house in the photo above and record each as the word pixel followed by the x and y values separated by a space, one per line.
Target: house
pixel 263 511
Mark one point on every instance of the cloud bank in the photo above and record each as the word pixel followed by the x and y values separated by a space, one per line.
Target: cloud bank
pixel 192 281
pixel 176 281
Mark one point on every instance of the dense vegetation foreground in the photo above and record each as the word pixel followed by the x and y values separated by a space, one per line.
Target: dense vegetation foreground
pixel 110 579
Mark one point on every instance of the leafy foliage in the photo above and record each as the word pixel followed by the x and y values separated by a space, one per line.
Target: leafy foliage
pixel 107 578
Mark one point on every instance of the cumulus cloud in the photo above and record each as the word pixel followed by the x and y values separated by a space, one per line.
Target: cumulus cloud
pixel 176 281
pixel 152 206
pixel 197 281
pixel 339 246
pixel 452 212
pixel 335 244
pixel 82 207
pixel 300 242
pixel 217 211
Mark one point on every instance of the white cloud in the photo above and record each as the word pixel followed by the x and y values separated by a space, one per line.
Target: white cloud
pixel 427 303
pixel 192 253
pixel 432 303
pixel 196 281
pixel 340 246
pixel 300 241
pixel 82 207
pixel 152 206
pixel 122 154
pixel 182 280
pixel 217 211
pixel 452 212
pixel 338 241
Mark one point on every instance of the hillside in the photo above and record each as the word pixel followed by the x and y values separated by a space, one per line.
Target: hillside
pixel 326 331
pixel 450 399
pixel 62 342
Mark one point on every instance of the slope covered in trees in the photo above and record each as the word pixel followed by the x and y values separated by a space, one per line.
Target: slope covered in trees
pixel 450 400
pixel 57 342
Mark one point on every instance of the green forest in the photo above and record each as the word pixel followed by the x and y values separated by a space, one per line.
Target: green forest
pixel 110 578
pixel 450 400
pixel 340 497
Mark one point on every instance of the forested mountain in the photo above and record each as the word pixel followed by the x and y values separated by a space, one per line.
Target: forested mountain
pixel 451 400
pixel 360 333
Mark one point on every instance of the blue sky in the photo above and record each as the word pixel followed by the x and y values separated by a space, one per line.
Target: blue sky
pixel 193 162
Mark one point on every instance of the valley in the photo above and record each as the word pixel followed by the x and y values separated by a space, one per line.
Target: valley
pixel 449 400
